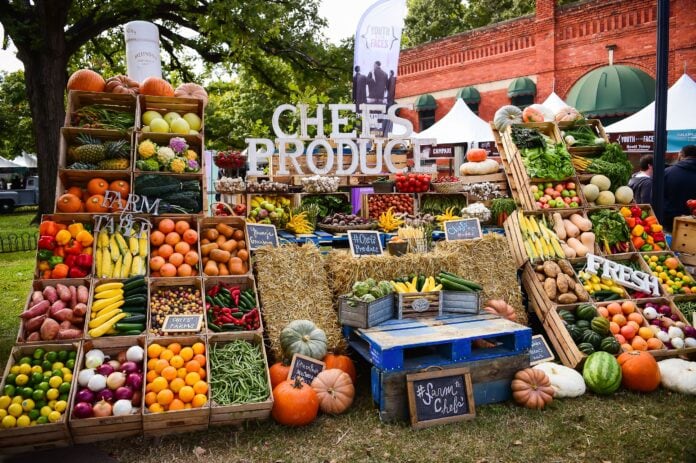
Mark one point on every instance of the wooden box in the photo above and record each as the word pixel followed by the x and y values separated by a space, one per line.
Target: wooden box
pixel 460 302
pixel 684 235
pixel 39 285
pixel 156 284
pixel 590 151
pixel 166 104
pixel 78 99
pixel 141 223
pixel 602 252
pixel 44 436
pixel 359 314
pixel 192 220
pixel 65 219
pixel 244 282
pixel 226 415
pixel 87 430
pixel 668 353
pixel 176 421
pixel 418 305
pixel 237 223
pixel 194 142
pixel 365 204
pixel 70 134
pixel 80 178
pixel 113 340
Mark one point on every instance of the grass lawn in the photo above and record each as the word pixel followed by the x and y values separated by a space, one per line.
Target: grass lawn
pixel 620 428
pixel 17 222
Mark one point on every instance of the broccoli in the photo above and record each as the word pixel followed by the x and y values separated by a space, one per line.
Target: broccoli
pixel 147 164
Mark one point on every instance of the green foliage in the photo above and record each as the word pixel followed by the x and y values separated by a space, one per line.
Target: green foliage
pixel 15 118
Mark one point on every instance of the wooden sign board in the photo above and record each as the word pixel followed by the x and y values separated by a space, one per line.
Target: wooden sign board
pixel 464 229
pixel 182 323
pixel 440 397
pixel 365 243
pixel 540 351
pixel 261 235
pixel 307 368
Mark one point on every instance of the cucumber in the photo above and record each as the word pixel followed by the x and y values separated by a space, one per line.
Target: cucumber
pixel 132 332
pixel 134 309
pixel 457 279
pixel 249 298
pixel 139 291
pixel 135 300
pixel 124 327
pixel 214 327
pixel 135 318
pixel 453 285
pixel 232 327
pixel 420 282
pixel 133 283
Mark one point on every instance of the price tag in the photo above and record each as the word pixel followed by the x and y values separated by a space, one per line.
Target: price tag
pixel 305 367
pixel 464 229
pixel 182 323
pixel 365 243
pixel 261 235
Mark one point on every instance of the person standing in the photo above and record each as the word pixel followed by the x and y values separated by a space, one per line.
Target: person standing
pixel 359 88
pixel 377 84
pixel 391 88
pixel 680 185
pixel 641 182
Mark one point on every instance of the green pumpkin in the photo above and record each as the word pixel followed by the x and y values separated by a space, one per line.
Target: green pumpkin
pixel 586 312
pixel 566 316
pixel 600 325
pixel 303 337
pixel 610 345
pixel 575 332
pixel 586 348
pixel 583 325
pixel 593 338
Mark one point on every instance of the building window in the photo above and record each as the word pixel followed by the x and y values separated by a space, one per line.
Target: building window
pixel 522 101
pixel 426 118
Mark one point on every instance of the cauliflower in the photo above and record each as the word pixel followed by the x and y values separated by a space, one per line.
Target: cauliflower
pixel 165 155
pixel 192 165
pixel 178 165
pixel 148 164
pixel 146 149
pixel 191 155
pixel 179 145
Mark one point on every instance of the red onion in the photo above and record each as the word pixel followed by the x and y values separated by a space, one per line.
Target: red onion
pixel 665 310
pixel 655 321
pixel 123 393
pixel 105 369
pixel 129 367
pixel 137 398
pixel 690 331
pixel 85 395
pixel 82 410
pixel 135 381
pixel 105 394
pixel 674 317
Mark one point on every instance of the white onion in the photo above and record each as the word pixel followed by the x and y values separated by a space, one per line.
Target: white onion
pixel 655 329
pixel 663 336
pixel 675 332
pixel 94 358
pixel 689 342
pixel 115 380
pixel 84 376
pixel 122 407
pixel 96 383
pixel 135 354
pixel 650 313
pixel 677 343
pixel 680 325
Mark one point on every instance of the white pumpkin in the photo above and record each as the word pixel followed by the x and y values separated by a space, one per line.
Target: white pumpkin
pixel 489 166
pixel 565 381
pixel 678 375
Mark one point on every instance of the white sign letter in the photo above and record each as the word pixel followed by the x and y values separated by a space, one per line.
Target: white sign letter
pixel 329 157
pixel 306 121
pixel 337 121
pixel 284 154
pixel 276 120
pixel 405 123
pixel 354 154
pixel 254 155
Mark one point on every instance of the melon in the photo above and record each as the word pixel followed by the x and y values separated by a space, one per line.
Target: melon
pixel 605 198
pixel 602 182
pixel 590 191
pixel 624 195
pixel 602 373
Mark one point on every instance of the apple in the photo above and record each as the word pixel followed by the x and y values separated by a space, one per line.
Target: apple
pixel 148 116
pixel 555 194
pixel 572 192
pixel 545 206
pixel 567 200
pixel 549 190
pixel 193 121
pixel 548 185
pixel 570 185
pixel 575 199
pixel 159 126
pixel 538 204
pixel 180 126
pixel 146 128
pixel 559 187
pixel 534 188
pixel 565 193
pixel 573 204
pixel 170 116
pixel 543 200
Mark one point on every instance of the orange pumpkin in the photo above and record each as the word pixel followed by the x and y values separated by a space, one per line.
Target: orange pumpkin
pixel 122 84
pixel 156 87
pixel 120 186
pixel 86 80
pixel 532 388
pixel 95 203
pixel 342 362
pixel 335 391
pixel 639 371
pixel 531 114
pixel 118 205
pixel 75 190
pixel 97 186
pixel 476 155
pixel 279 372
pixel 192 91
pixel 68 203
pixel 295 403
pixel 501 308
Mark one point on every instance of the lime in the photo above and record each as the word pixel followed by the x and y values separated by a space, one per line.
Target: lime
pixel 9 389
pixel 64 388
pixel 63 355
pixel 24 360
pixel 15 410
pixel 34 414
pixel 46 410
pixel 5 402
pixel 35 362
pixel 52 394
pixel 51 356
pixel 28 405
pixel 21 379
pixel 39 353
pixel 14 370
pixel 63 397
pixel 9 422
pixel 55 381
pixel 60 406
pixel 46 366
pixel 54 417
pixel 72 355
pixel 36 379
pixel 27 392
pixel 23 421
pixel 40 404
pixel 57 372
pixel 57 366
pixel 43 385
pixel 11 378
pixel 47 374
pixel 42 420
pixel 70 364
pixel 38 394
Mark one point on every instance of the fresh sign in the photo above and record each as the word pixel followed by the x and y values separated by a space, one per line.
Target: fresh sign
pixel 623 275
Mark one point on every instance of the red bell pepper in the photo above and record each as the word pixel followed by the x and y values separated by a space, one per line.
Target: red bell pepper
pixel 59 251
pixel 47 242
pixel 73 248
pixel 77 272
pixel 84 261
pixel 636 211
pixel 70 260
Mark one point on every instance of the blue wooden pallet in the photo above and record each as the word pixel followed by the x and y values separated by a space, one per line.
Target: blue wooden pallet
pixel 318 237
pixel 418 343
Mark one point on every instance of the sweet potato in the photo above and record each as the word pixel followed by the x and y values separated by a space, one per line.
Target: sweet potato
pixel 73 295
pixel 66 324
pixel 56 307
pixel 35 310
pixel 69 334
pixel 50 328
pixel 80 309
pixel 37 297
pixel 62 315
pixel 33 337
pixel 50 294
pixel 206 248
pixel 35 323
pixel 82 294
pixel 225 230
pixel 218 255
pixel 63 292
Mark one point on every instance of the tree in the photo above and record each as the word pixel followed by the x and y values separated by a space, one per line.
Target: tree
pixel 427 20
pixel 47 33
pixel 15 118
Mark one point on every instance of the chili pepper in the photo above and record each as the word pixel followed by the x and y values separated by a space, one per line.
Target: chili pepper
pixel 638 230
pixel 73 248
pixel 84 261
pixel 63 237
pixel 85 238
pixel 226 310
pixel 646 248
pixel 54 260
pixel 75 228
pixel 47 242
pixel 214 290
pixel 77 272
pixel 44 254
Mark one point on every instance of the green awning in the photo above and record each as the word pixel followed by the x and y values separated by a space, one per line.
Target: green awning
pixel 522 86
pixel 425 102
pixel 469 95
pixel 612 91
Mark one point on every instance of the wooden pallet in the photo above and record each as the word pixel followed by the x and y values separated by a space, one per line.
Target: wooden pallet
pixel 419 343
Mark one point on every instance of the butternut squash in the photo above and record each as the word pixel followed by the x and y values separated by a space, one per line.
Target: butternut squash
pixel 571 230
pixel 569 252
pixel 558 226
pixel 206 248
pixel 588 240
pixel 222 269
pixel 211 269
pixel 582 223
pixel 220 240
pixel 229 246
pixel 225 230
pixel 218 255
pixel 236 266
pixel 580 249
pixel 211 234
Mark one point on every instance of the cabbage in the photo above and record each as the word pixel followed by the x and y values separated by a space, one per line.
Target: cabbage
pixel 376 291
pixel 370 282
pixel 360 288
pixel 386 287
pixel 367 298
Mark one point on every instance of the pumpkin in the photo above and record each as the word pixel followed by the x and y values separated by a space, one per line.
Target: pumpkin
pixel 548 114
pixel 121 187
pixel 489 166
pixel 476 155
pixel 639 371
pixel 303 337
pixel 335 391
pixel 506 116
pixel 565 381
pixel 532 389
pixel 501 308
pixel 156 87
pixel 532 114
pixel 95 203
pixel 568 114
pixel 68 203
pixel 192 91
pixel 678 375
pixel 342 362
pixel 86 80
pixel 294 403
pixel 279 372
pixel 122 84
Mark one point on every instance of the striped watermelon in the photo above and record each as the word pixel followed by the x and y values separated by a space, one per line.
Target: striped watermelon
pixel 602 373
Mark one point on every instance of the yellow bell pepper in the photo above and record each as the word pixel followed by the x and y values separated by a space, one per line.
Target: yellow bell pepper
pixel 75 228
pixel 654 228
pixel 85 238
pixel 63 237
pixel 625 212
pixel 638 230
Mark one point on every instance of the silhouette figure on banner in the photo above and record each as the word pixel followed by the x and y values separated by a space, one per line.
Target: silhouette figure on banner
pixel 359 87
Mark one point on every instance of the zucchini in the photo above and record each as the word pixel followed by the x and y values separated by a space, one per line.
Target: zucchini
pixel 457 279
pixel 132 332
pixel 453 285
pixel 232 327
pixel 134 309
pixel 135 318
pixel 420 282
pixel 136 300
pixel 214 327
pixel 133 282
pixel 121 327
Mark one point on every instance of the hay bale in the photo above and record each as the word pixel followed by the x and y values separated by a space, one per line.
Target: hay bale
pixel 293 285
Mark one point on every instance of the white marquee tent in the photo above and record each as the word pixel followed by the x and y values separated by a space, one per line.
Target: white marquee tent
pixel 460 125
pixel 554 102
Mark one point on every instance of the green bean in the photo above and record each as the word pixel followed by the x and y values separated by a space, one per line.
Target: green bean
pixel 238 373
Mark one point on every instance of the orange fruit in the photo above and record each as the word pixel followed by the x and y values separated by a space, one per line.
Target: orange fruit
pixel 628 332
pixel 181 226
pixel 166 355
pixel 645 333
pixel 165 397
pixel 169 373
pixel 626 347
pixel 156 263
pixel 190 236
pixel 619 319
pixel 635 317
pixel 165 251
pixel 201 387
pixel 614 328
pixel 161 365
pixel 187 406
pixel 635 325
pixel 192 378
pixel 198 348
pixel 154 350
pixel 148 387
pixel 181 373
pixel 151 375
pixel 155 274
pixel 151 363
pixel 191 258
pixel 168 270
pixel 186 394
pixel 156 408
pixel 156 238
pixel 628 307
pixel 614 308
pixel 201 373
pixel 671 263
pixel 184 270
pixel 176 259
pixel 620 338
pixel 199 400
pixel 75 191
pixel 182 247
pixel 177 361
pixel 654 344
pixel 150 398
pixel 200 359
pixel 186 353
pixel 193 365
pixel 172 238
pixel 166 226
pixel 639 343
pixel 175 347
pixel 177 384
pixel 602 311
pixel 176 404
pixel 159 384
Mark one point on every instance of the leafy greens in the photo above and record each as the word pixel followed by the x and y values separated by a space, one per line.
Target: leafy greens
pixel 614 164
pixel 609 226
pixel 541 157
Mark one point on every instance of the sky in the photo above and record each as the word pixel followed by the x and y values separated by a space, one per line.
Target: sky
pixel 342 16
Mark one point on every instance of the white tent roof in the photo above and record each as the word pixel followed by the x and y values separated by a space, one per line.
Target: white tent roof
pixel 554 102
pixel 26 160
pixel 681 111
pixel 7 164
pixel 460 125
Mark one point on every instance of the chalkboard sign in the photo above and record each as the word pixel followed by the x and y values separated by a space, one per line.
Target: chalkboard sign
pixel 440 397
pixel 305 367
pixel 539 352
pixel 365 243
pixel 182 323
pixel 464 229
pixel 261 235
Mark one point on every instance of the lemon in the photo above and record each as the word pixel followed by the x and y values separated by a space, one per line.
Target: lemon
pixel 52 394
pixel 5 402
pixel 3 413
pixel 23 421
pixel 36 369
pixel 15 410
pixel 58 366
pixel 52 403
pixel 9 422
pixel 46 410
pixel 54 416
pixel 15 370
pixel 60 406
pixel 17 399
pixel 54 382
pixel 25 368
pixel 22 379
pixel 28 405
pixel 67 377
pixel 66 371
pixel 653 259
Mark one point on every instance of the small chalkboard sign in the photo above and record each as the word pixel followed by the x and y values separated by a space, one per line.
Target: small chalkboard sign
pixel 307 368
pixel 261 234
pixel 539 352
pixel 440 397
pixel 182 323
pixel 365 243
pixel 464 229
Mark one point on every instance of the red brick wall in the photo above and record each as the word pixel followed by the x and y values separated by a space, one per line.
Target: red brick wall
pixel 557 46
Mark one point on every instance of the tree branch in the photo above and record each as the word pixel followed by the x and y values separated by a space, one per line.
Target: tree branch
pixel 176 63
pixel 205 52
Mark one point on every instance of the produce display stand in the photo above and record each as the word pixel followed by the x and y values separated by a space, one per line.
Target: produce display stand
pixel 684 239
pixel 244 282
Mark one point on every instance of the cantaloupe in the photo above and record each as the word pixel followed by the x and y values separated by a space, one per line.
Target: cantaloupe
pixel 591 192
pixel 606 198
pixel 602 182
pixel 624 195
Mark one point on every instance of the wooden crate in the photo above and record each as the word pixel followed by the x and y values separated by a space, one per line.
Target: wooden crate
pixel 192 220
pixel 88 430
pixel 535 292
pixel 166 104
pixel 69 134
pixel 244 282
pixel 422 197
pixel 365 202
pixel 418 305
pixel 39 285
pixel 113 340
pixel 598 129
pixel 199 176
pixel 238 223
pixel 668 353
pixel 78 99
pixel 590 210
pixel 563 344
pixel 195 143
pixel 507 167
pixel 684 235
pixel 162 283
pixel 227 415
pixel 176 421
pixel 686 298
pixel 80 178
pixel 105 220
pixel 65 219
pixel 461 302
pixel 44 436
pixel 359 314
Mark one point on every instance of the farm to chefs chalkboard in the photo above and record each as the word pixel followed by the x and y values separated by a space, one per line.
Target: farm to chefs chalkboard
pixel 440 397
pixel 464 229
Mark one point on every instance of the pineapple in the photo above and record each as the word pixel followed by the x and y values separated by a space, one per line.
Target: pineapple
pixel 117 155
pixel 90 151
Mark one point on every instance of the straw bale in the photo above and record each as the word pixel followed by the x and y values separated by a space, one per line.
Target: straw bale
pixel 293 285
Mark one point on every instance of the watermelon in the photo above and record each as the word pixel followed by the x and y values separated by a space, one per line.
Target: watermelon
pixel 567 316
pixel 611 345
pixel 586 348
pixel 586 312
pixel 600 325
pixel 602 373
pixel 593 338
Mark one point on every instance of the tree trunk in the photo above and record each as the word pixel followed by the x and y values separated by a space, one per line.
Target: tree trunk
pixel 45 74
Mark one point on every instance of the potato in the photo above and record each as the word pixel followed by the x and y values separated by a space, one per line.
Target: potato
pixel 541 277
pixel 571 283
pixel 561 283
pixel 551 269
pixel 550 288
pixel 567 298
pixel 566 268
pixel 581 293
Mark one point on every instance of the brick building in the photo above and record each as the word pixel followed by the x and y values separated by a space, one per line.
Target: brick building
pixel 523 60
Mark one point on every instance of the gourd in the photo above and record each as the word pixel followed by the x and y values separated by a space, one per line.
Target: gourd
pixel 593 338
pixel 568 114
pixel 156 86
pixel 342 362
pixel 335 391
pixel 476 155
pixel 558 226
pixel 295 403
pixel 532 389
pixel 600 325
pixel 678 375
pixel 303 337
pixel 610 345
pixel 86 80
pixel 489 166
pixel 575 332
pixel 501 308
pixel 590 191
pixel 580 249
pixel 547 114
pixel 506 116
pixel 532 114
pixel 624 195
pixel 279 372
pixel 566 316
pixel 586 312
pixel 639 371
pixel 190 90
pixel 588 240
pixel 122 84
pixel 565 381
pixel 571 230
pixel 586 348
pixel 582 223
